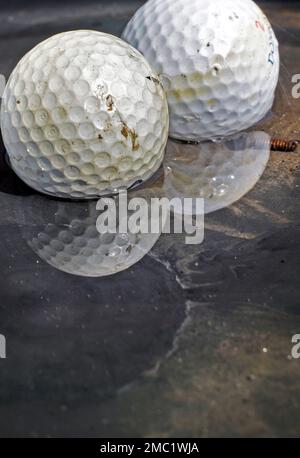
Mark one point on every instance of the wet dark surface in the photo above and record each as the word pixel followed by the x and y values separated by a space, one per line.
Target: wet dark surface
pixel 192 340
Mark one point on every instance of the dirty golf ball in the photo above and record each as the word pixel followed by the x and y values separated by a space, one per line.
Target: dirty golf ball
pixel 83 114
pixel 218 61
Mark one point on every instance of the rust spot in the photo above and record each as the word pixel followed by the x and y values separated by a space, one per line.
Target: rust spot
pixel 109 103
pixel 127 132
pixel 124 131
pixel 135 144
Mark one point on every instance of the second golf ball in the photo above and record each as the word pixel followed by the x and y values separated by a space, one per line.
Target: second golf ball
pixel 83 114
pixel 218 61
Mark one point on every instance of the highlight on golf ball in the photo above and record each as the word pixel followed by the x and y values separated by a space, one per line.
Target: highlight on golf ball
pixel 83 114
pixel 218 61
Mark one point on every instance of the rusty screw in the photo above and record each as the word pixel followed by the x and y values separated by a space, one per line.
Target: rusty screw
pixel 285 146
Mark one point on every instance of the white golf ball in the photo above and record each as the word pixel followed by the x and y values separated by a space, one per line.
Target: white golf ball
pixel 83 114
pixel 218 61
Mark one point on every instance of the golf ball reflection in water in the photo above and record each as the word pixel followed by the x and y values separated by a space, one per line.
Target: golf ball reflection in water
pixel 220 173
pixel 65 235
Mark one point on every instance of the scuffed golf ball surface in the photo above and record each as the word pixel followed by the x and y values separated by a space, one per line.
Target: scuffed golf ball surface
pixel 218 61
pixel 82 115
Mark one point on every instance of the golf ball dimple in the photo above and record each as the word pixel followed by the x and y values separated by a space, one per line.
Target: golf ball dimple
pixel 218 61
pixel 83 114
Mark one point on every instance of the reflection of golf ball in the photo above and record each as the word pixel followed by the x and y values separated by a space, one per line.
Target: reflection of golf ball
pixel 220 173
pixel 218 60
pixel 83 114
pixel 65 235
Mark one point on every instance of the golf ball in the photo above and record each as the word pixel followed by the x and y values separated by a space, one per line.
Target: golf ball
pixel 217 59
pixel 83 114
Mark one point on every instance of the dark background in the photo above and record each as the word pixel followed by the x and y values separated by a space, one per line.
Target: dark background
pixel 189 342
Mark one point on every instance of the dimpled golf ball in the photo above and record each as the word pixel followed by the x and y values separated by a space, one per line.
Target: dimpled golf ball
pixel 83 114
pixel 218 61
